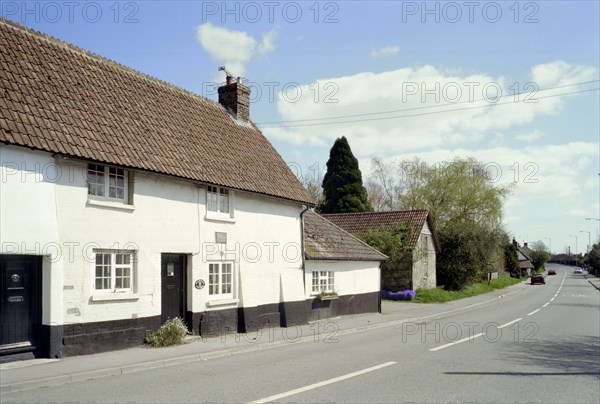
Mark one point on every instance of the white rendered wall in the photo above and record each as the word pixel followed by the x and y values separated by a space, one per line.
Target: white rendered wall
pixel 263 242
pixel 350 278
pixel 167 216
pixel 28 219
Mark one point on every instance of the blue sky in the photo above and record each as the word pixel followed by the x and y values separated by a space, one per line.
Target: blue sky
pixel 350 58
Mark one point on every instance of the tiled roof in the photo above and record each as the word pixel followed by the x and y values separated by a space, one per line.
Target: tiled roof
pixel 381 221
pixel 324 240
pixel 62 99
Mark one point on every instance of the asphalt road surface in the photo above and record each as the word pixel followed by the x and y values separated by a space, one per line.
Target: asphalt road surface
pixel 539 345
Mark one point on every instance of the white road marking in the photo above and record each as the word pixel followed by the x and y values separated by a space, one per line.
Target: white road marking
pixel 533 312
pixel 552 299
pixel 471 338
pixel 510 322
pixel 321 384
pixel 546 304
pixel 456 342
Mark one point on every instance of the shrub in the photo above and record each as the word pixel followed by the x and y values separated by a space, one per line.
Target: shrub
pixel 172 332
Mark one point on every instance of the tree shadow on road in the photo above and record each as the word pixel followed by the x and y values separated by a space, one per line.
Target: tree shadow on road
pixel 577 355
pixel 560 357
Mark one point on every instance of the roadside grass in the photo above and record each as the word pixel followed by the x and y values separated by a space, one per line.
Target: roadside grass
pixel 441 296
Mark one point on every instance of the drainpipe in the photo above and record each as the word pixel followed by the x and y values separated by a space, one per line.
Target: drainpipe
pixel 302 246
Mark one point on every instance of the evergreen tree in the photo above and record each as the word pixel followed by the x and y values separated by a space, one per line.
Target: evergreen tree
pixel 342 185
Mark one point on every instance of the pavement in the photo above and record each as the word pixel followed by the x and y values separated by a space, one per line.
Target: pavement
pixel 37 373
pixel 594 280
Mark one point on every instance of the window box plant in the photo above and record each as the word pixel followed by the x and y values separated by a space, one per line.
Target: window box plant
pixel 328 295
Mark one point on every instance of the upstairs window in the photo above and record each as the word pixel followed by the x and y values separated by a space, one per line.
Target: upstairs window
pixel 217 200
pixel 109 183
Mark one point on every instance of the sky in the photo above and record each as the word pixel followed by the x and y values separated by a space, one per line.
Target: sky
pixel 513 84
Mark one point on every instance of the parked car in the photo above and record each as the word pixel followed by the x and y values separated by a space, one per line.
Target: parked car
pixel 551 272
pixel 577 271
pixel 538 278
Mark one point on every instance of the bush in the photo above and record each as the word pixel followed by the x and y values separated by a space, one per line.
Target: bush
pixel 172 332
pixel 468 253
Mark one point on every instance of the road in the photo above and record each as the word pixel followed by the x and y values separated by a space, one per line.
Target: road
pixel 539 345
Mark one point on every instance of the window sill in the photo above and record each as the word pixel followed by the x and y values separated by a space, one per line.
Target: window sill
pixel 110 204
pixel 329 297
pixel 219 218
pixel 102 297
pixel 223 302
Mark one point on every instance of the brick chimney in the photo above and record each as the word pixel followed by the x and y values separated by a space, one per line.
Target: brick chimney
pixel 235 97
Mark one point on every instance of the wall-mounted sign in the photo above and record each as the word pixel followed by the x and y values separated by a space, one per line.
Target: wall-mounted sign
pixel 15 299
pixel 199 284
pixel 220 237
pixel 170 269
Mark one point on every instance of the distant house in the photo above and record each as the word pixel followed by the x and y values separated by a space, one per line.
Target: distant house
pixel 338 263
pixel 418 270
pixel 524 258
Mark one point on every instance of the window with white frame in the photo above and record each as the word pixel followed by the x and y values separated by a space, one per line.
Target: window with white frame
pixel 218 200
pixel 106 182
pixel 220 280
pixel 323 281
pixel 114 271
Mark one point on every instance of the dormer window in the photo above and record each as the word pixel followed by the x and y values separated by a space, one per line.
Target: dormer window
pixel 217 200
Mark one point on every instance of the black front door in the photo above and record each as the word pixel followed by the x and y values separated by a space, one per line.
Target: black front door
pixel 20 308
pixel 173 286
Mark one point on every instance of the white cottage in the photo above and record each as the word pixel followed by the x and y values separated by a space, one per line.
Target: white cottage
pixel 126 201
pixel 342 272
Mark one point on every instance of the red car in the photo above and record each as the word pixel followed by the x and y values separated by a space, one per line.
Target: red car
pixel 538 278
pixel 551 272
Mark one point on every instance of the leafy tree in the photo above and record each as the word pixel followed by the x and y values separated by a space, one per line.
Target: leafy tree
pixel 455 192
pixel 342 185
pixel 468 253
pixel 466 207
pixel 511 261
pixel 594 258
pixel 539 255
pixel 394 244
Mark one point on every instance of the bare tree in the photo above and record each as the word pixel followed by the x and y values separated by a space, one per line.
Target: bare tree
pixel 314 188
pixel 376 195
pixel 383 184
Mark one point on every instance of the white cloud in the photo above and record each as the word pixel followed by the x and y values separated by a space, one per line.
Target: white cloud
pixel 385 51
pixel 529 137
pixel 560 73
pixel 412 109
pixel 234 49
pixel 551 173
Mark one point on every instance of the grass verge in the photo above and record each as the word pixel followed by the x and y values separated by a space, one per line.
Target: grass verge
pixel 442 296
